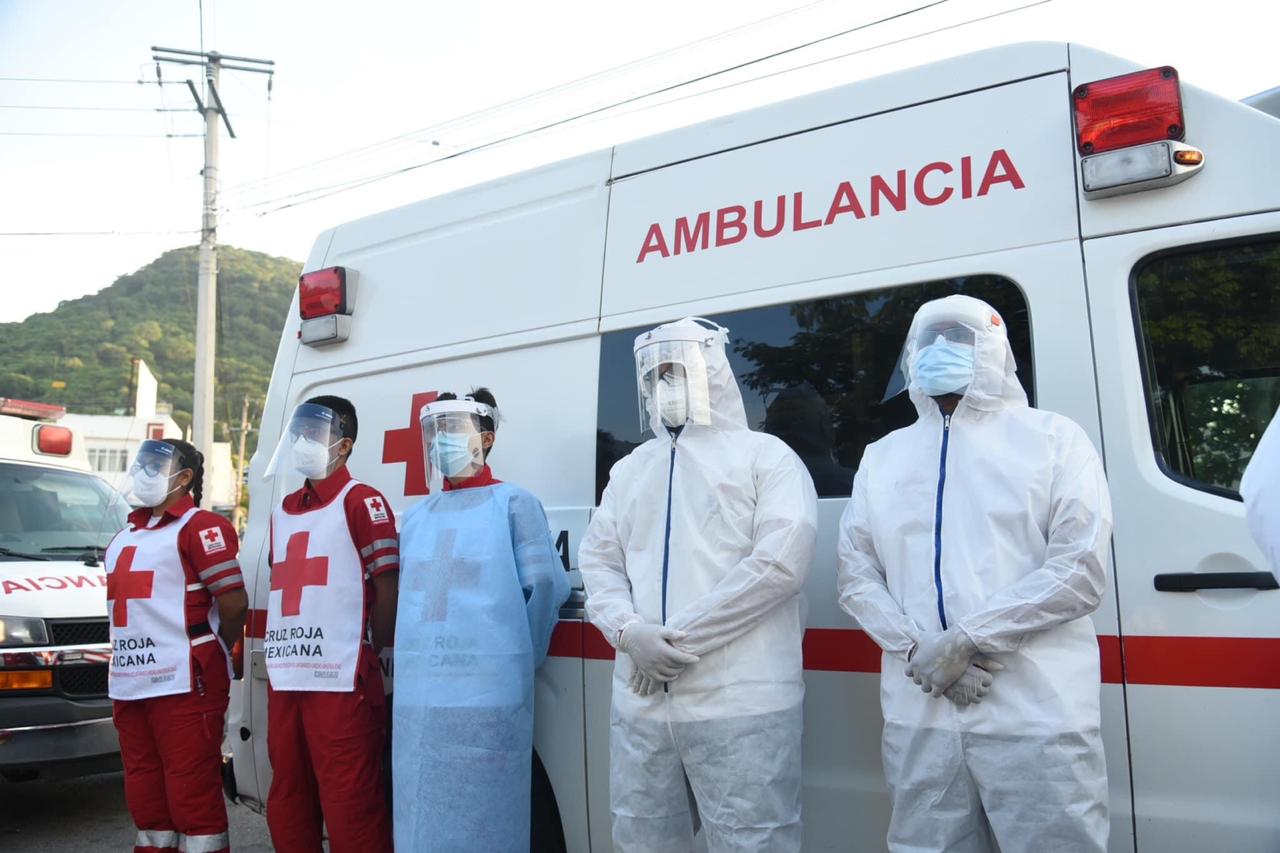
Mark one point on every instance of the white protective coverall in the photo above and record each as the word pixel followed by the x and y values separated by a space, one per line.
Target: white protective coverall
pixel 1260 488
pixel 736 512
pixel 996 520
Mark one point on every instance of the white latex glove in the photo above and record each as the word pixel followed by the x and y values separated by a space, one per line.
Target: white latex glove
pixel 975 683
pixel 651 650
pixel 940 660
pixel 641 684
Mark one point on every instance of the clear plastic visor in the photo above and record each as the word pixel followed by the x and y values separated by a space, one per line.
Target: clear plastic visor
pixel 453 439
pixel 150 478
pixel 671 381
pixel 307 442
pixel 949 331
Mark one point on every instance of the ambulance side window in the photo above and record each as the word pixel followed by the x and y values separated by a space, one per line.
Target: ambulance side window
pixel 812 373
pixel 1209 335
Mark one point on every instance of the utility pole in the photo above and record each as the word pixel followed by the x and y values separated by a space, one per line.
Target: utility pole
pixel 237 515
pixel 207 278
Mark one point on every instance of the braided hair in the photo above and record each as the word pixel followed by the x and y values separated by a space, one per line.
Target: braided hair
pixel 189 457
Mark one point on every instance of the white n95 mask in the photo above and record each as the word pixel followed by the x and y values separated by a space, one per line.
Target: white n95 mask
pixel 673 400
pixel 150 489
pixel 311 458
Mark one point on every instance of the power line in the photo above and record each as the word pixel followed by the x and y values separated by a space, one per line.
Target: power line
pixel 346 186
pixel 525 100
pixel 840 56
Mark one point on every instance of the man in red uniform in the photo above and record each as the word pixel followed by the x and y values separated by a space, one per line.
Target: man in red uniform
pixel 173 591
pixel 335 560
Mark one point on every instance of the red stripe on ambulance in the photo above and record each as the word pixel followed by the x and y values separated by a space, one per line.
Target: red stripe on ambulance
pixel 1238 662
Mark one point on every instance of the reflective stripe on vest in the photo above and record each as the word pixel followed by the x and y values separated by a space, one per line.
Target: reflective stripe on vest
pixel 146 609
pixel 315 608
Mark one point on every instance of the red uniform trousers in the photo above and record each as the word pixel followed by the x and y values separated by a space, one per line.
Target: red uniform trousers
pixel 171 747
pixel 326 762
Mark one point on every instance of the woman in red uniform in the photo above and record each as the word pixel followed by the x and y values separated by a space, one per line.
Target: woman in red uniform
pixel 176 602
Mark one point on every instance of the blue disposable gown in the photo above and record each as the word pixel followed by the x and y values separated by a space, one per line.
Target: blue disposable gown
pixel 481 587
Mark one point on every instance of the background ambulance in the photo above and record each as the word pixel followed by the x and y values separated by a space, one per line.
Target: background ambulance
pixel 56 517
pixel 1129 231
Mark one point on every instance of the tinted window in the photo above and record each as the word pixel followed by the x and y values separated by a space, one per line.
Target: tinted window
pixel 812 373
pixel 43 510
pixel 1210 329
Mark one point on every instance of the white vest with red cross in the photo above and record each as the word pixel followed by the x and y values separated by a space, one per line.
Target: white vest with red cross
pixel 315 610
pixel 146 600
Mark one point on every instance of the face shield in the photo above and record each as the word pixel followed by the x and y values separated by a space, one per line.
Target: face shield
pixel 672 376
pixel 307 444
pixel 939 356
pixel 150 479
pixel 453 438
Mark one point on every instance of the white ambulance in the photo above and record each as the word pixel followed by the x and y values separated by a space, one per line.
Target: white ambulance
pixel 1126 225
pixel 56 517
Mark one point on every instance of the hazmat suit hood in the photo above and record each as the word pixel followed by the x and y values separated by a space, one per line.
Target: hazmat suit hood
pixel 707 340
pixel 995 383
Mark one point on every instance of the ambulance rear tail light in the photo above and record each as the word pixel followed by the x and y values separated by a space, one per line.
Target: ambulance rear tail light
pixel 52 440
pixel 1131 109
pixel 325 300
pixel 1130 130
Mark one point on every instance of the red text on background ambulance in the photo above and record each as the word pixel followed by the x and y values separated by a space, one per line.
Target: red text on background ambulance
pixel 931 185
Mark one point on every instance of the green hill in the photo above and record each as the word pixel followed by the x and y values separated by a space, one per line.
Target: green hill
pixel 90 343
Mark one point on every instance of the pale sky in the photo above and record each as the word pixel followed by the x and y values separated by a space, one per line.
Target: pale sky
pixel 386 80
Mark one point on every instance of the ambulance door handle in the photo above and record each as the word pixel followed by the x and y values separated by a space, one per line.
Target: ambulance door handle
pixel 1192 581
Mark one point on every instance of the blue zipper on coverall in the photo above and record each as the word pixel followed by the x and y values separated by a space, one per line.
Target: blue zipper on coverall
pixel 666 541
pixel 937 526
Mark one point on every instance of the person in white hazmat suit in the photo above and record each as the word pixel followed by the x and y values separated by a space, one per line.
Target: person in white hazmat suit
pixel 693 567
pixel 1260 488
pixel 972 551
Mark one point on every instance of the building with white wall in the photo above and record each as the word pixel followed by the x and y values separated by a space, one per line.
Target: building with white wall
pixel 113 440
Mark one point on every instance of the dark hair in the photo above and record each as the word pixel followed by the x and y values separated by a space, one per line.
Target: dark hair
pixel 478 395
pixel 189 457
pixel 348 423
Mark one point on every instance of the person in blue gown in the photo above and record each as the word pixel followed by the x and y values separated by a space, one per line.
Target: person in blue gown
pixel 481 587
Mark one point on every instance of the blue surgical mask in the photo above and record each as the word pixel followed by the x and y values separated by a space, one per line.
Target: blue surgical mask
pixel 451 453
pixel 943 367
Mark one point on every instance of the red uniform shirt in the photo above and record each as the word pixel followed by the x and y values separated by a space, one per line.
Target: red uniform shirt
pixel 369 519
pixel 209 550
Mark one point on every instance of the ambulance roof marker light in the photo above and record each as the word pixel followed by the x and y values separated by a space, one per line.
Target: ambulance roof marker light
pixel 325 302
pixel 1132 109
pixel 52 440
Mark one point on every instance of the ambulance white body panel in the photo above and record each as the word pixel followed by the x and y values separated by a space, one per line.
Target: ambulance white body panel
pixel 813 228
pixel 55 717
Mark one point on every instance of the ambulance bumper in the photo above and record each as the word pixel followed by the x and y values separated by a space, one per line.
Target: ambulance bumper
pixel 52 737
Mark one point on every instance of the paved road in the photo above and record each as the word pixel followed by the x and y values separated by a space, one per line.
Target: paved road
pixel 88 815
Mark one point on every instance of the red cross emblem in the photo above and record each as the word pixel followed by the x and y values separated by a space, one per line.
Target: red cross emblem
pixel 405 445
pixel 124 583
pixel 443 572
pixel 296 571
pixel 376 504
